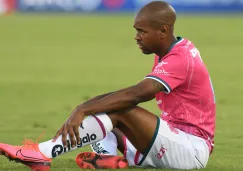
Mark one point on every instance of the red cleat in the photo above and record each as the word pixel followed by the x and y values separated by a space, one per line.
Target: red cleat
pixel 28 154
pixel 91 160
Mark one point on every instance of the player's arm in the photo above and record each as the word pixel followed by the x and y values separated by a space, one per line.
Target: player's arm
pixel 117 101
pixel 96 98
pixel 123 99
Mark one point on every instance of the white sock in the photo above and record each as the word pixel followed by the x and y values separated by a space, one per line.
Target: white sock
pixel 106 146
pixel 94 128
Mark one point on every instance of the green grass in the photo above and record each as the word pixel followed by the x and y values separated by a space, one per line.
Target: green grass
pixel 48 65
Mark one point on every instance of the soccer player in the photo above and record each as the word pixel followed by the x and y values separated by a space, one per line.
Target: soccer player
pixel 181 138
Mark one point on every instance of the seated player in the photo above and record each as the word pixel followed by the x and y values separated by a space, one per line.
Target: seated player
pixel 181 138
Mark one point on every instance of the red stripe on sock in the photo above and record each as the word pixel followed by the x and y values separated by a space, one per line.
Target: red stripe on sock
pixel 101 125
pixel 125 146
pixel 136 158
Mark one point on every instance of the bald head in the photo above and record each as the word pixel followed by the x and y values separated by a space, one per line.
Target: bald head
pixel 158 13
pixel 155 28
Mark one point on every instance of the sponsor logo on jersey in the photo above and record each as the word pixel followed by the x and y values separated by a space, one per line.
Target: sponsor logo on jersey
pixel 160 70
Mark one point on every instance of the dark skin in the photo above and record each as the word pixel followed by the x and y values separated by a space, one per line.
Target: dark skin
pixel 154 25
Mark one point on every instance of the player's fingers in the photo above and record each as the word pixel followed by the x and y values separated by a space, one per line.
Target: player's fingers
pixel 64 137
pixel 59 132
pixel 72 137
pixel 76 132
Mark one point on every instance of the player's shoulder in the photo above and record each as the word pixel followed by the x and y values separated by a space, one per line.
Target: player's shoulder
pixel 182 46
pixel 178 54
pixel 181 49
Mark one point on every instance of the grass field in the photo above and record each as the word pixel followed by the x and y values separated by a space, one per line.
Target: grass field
pixel 48 65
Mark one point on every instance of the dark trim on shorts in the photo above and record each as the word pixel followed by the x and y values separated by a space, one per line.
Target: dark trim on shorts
pixel 152 142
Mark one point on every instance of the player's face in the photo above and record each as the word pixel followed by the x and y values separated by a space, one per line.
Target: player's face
pixel 147 37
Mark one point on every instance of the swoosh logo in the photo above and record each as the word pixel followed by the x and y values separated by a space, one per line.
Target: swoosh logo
pixel 19 152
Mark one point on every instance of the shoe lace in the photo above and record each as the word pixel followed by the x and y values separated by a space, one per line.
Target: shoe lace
pixel 30 144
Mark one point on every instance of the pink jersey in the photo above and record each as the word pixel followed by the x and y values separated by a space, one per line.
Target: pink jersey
pixel 188 102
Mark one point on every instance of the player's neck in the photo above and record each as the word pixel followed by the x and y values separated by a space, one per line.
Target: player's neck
pixel 167 46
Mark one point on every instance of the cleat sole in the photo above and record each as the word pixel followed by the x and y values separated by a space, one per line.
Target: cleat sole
pixel 90 160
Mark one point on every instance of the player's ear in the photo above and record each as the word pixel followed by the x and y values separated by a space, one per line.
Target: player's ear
pixel 163 31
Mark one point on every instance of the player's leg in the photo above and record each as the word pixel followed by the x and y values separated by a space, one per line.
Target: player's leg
pixel 120 139
pixel 113 141
pixel 38 156
pixel 109 145
pixel 137 124
pixel 164 146
pixel 175 149
pixel 106 146
pixel 125 146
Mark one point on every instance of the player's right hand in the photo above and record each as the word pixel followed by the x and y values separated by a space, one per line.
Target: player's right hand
pixel 71 128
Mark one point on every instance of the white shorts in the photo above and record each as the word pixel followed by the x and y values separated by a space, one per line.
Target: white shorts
pixel 170 148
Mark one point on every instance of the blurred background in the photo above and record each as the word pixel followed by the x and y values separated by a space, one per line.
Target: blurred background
pixel 55 54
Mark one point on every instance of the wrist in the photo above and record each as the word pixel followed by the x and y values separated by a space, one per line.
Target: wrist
pixel 80 110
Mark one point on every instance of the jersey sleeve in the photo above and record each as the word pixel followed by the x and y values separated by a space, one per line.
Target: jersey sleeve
pixel 170 72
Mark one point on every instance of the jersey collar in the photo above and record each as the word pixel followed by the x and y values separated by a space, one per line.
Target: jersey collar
pixel 179 39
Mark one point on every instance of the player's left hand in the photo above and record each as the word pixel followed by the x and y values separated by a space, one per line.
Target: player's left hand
pixel 70 127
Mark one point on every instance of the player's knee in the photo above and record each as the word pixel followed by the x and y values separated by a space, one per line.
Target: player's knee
pixel 121 116
pixel 114 116
pixel 117 117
